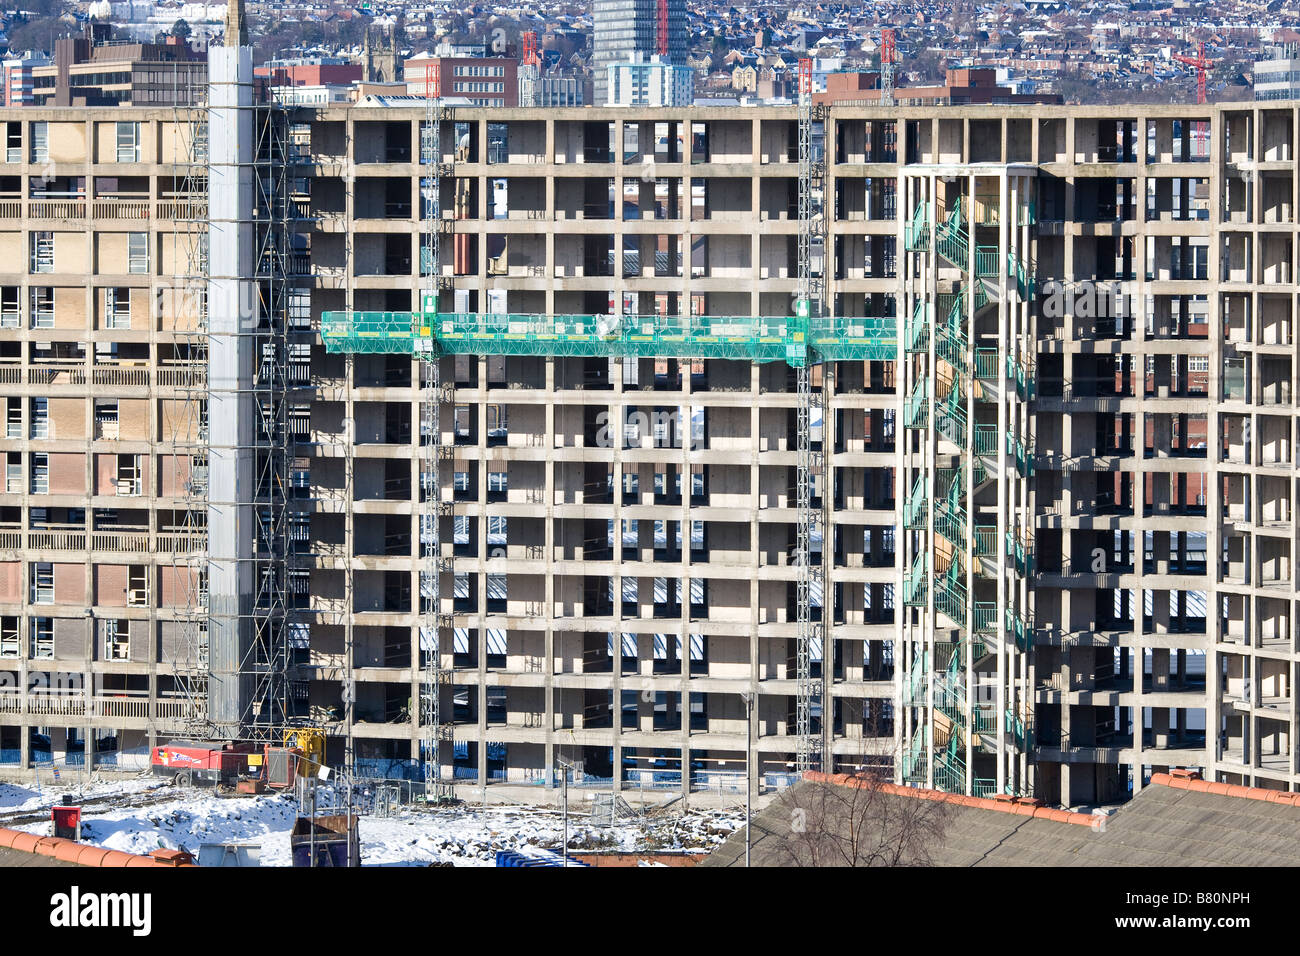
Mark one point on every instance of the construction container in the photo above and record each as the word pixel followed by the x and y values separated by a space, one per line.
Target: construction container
pixel 281 767
pixel 335 839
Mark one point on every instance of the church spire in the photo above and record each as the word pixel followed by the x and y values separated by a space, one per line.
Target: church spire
pixel 236 24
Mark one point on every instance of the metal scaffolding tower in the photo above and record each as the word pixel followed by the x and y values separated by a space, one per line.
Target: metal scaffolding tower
pixel 888 56
pixel 811 580
pixel 183 308
pixel 434 732
pixel 233 440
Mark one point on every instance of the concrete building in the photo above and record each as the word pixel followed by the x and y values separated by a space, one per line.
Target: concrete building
pixel 553 89
pixel 622 29
pixel 315 72
pixel 963 86
pixel 649 81
pixel 96 70
pixel 1112 574
pixel 484 81
pixel 16 84
pixel 1277 78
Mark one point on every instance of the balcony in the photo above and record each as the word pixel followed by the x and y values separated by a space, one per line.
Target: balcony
pixel 120 376
pixel 134 208
pixel 183 375
pixel 56 209
pixel 64 373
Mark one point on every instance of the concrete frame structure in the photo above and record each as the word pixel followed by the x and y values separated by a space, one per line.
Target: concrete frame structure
pixel 567 632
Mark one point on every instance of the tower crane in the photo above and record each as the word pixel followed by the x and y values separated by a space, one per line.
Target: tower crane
pixel 888 57
pixel 1201 65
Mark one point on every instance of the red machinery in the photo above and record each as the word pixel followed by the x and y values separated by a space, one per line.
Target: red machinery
pixel 530 57
pixel 66 822
pixel 214 763
pixel 1201 65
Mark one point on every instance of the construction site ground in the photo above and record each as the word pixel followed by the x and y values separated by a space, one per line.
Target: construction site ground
pixel 141 814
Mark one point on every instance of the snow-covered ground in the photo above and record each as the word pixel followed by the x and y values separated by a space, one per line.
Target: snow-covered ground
pixel 143 815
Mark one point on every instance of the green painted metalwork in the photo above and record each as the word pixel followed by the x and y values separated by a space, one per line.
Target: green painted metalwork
pixel 915 763
pixel 918 328
pixel 1023 376
pixel 950 594
pixel 1019 732
pixel 984 720
pixel 1021 629
pixel 986 441
pixel 949 771
pixel 951 348
pixel 916 582
pixel 951 244
pixel 1024 455
pixel 951 240
pixel 916 411
pixel 1025 276
pixel 951 525
pixel 1021 554
pixel 950 418
pixel 788 339
pixel 848 338
pixel 916 681
pixel 917 232
pixel 950 699
pixel 916 507
pixel 986 365
pixel 985 539
pixel 986 262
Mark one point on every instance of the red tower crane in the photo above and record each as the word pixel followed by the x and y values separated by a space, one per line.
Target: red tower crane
pixel 888 56
pixel 1201 65
pixel 530 57
pixel 661 27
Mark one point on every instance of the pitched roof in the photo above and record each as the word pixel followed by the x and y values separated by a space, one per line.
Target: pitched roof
pixel 1175 821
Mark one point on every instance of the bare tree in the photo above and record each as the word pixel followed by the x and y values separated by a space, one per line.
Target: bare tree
pixel 861 820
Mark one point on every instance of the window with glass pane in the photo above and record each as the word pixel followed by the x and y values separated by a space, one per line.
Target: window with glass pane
pixel 117 308
pixel 41 630
pixel 128 142
pixel 42 252
pixel 137 253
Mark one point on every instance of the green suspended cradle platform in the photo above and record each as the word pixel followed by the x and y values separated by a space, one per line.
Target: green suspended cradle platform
pixel 795 340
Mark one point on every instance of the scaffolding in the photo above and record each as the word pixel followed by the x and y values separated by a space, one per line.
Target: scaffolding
pixel 182 308
pixel 811 463
pixel 792 339
pixel 434 732
pixel 234 309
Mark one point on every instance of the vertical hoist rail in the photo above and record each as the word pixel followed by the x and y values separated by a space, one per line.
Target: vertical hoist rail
pixel 430 494
pixel 808 580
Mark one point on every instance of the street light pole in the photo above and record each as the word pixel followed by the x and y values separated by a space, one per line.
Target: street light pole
pixel 748 698
pixel 564 803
